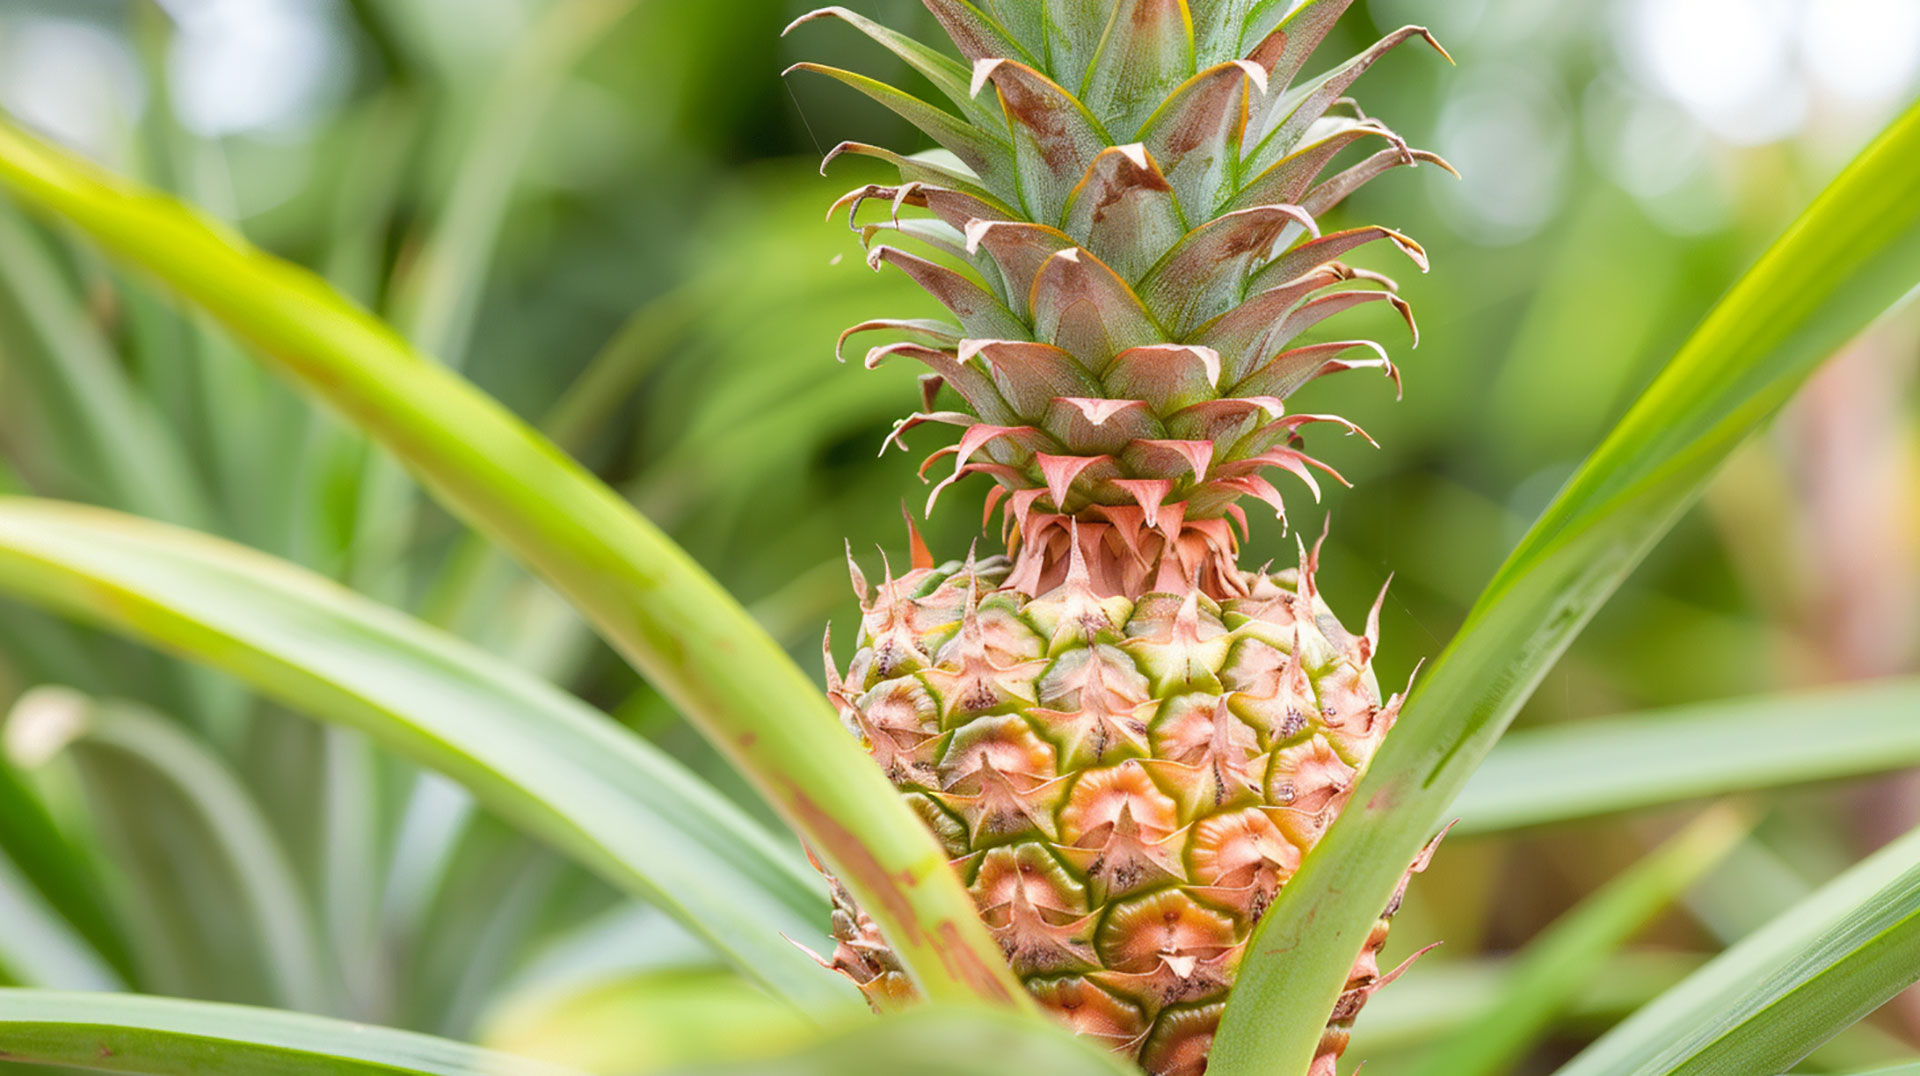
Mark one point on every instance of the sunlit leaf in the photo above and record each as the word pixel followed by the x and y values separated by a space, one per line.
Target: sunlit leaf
pixel 60 871
pixel 645 594
pixel 1854 253
pixel 937 1041
pixel 534 754
pixel 1587 768
pixel 1768 1001
pixel 168 1037
pixel 1554 968
pixel 249 872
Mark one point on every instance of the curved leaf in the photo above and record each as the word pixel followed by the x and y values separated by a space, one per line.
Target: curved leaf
pixel 60 870
pixel 39 948
pixel 533 753
pixel 645 594
pixel 1585 768
pixel 937 1041
pixel 113 436
pixel 947 74
pixel 1768 1001
pixel 225 822
pixel 170 1037
pixel 1549 974
pixel 990 160
pixel 441 290
pixel 1855 252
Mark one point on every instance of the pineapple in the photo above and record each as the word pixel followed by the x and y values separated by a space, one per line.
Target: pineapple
pixel 1126 740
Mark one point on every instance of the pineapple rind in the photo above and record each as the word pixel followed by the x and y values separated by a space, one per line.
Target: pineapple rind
pixel 1124 784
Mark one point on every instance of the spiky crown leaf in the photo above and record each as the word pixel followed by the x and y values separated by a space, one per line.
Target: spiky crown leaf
pixel 1137 201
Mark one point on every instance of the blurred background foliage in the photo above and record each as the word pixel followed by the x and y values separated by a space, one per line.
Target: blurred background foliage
pixel 608 213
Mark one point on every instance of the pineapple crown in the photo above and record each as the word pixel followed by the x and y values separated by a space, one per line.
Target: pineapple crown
pixel 1125 234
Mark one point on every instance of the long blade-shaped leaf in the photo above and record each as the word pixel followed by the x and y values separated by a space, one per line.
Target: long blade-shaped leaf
pixel 39 948
pixel 1550 973
pixel 1444 997
pixel 1587 768
pixel 1768 1001
pixel 645 594
pixel 224 819
pixel 936 1041
pixel 60 869
pixel 170 1037
pixel 118 445
pixel 533 753
pixel 1855 252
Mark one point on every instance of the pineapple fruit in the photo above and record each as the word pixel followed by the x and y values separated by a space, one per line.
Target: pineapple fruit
pixel 1126 740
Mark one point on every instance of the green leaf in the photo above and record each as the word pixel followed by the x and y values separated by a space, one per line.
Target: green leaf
pixel 1854 253
pixel 989 158
pixel 1444 997
pixel 947 74
pixel 1768 1001
pixel 108 435
pixel 1587 768
pixel 645 594
pixel 536 755
pixel 1555 967
pixel 647 1022
pixel 937 1041
pixel 60 870
pixel 441 292
pixel 39 948
pixel 224 821
pixel 170 1037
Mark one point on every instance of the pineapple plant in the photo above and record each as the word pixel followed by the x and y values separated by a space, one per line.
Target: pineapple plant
pixel 1164 684
pixel 1125 738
